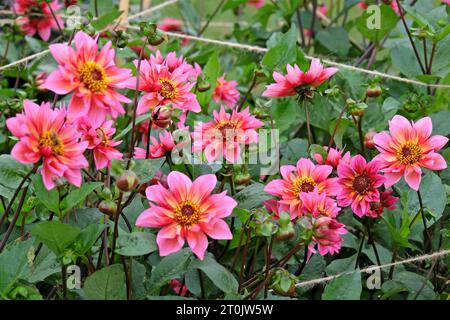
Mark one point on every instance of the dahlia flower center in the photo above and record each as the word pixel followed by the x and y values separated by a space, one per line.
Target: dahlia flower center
pixel 227 131
pixel 93 76
pixel 50 142
pixel 306 184
pixel 168 89
pixel 187 213
pixel 362 184
pixel 409 154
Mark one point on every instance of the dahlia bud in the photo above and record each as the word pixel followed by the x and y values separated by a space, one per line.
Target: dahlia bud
pixel 203 86
pixel 285 232
pixel 40 79
pixel 368 140
pixel 108 207
pixel 356 109
pixel 162 116
pixel 373 91
pixel 283 283
pixel 388 2
pixel 259 72
pixel 158 178
pixel 242 179
pixel 127 181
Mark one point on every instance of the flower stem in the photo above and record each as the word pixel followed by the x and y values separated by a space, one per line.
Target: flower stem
pixel 308 126
pixel 116 226
pixel 200 32
pixel 360 249
pixel 56 20
pixel 374 247
pixel 361 136
pixel 202 285
pixel 338 122
pixel 427 244
pixel 63 279
pixel 247 94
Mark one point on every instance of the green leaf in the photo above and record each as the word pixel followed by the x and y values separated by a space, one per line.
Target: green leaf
pixel 132 211
pixel 170 267
pixel 345 287
pixel 106 284
pixel 218 274
pixel 403 59
pixel 104 6
pixel 49 198
pixel 252 196
pixel 341 265
pixel 190 15
pixel 388 21
pixel 125 131
pixel 211 72
pixel 77 195
pixel 440 122
pixel 282 49
pixel 87 237
pixel 12 171
pixel 55 235
pixel 294 149
pixel 146 169
pixel 335 39
pixel 14 264
pixel 413 282
pixel 433 194
pixel 136 244
pixel 105 20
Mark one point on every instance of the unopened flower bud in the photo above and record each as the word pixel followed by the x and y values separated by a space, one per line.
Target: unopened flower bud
pixel 285 232
pixel 203 86
pixel 373 91
pixel 242 179
pixel 108 207
pixel 259 72
pixel 368 140
pixel 357 109
pixel 162 116
pixel 40 80
pixel 127 181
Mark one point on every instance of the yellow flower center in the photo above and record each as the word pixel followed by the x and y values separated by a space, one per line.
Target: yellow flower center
pixel 51 140
pixel 168 89
pixel 227 131
pixel 93 76
pixel 362 184
pixel 187 213
pixel 409 153
pixel 305 184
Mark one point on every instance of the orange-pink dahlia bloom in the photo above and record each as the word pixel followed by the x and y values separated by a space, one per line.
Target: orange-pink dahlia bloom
pixel 408 147
pixel 35 16
pixel 359 181
pixel 187 211
pixel 157 149
pixel 91 76
pixel 304 177
pixel 225 134
pixel 100 141
pixel 44 134
pixel 285 86
pixel 333 158
pixel 225 91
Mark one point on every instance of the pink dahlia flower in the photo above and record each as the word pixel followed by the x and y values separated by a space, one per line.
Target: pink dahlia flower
pixel 92 76
pixel 35 16
pixel 166 81
pixel 359 181
pixel 305 177
pixel 318 204
pixel 224 135
pixel 170 24
pixel 157 148
pixel 285 86
pixel 386 201
pixel 44 134
pixel 407 148
pixel 225 91
pixel 256 3
pixel 334 157
pixel 100 141
pixel 326 231
pixel 187 211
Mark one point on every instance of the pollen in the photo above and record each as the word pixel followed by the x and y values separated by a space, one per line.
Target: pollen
pixel 187 213
pixel 168 89
pixel 93 76
pixel 51 140
pixel 362 184
pixel 305 184
pixel 410 153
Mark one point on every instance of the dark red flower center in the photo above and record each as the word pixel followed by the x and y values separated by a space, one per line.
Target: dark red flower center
pixel 362 184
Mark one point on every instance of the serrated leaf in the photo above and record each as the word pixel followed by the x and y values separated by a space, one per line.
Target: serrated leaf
pixel 344 287
pixel 106 284
pixel 55 235
pixel 136 244
pixel 77 195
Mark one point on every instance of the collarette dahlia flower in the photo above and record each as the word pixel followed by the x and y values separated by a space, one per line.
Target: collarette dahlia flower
pixel 35 16
pixel 334 157
pixel 304 177
pixel 224 135
pixel 187 211
pixel 407 148
pixel 92 76
pixel 318 204
pixel 44 134
pixel 325 231
pixel 255 3
pixel 386 201
pixel 100 141
pixel 359 181
pixel 288 85
pixel 225 91
pixel 157 149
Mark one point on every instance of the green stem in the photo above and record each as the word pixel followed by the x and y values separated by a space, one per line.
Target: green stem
pixel 427 237
pixel 308 126
pixel 210 18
